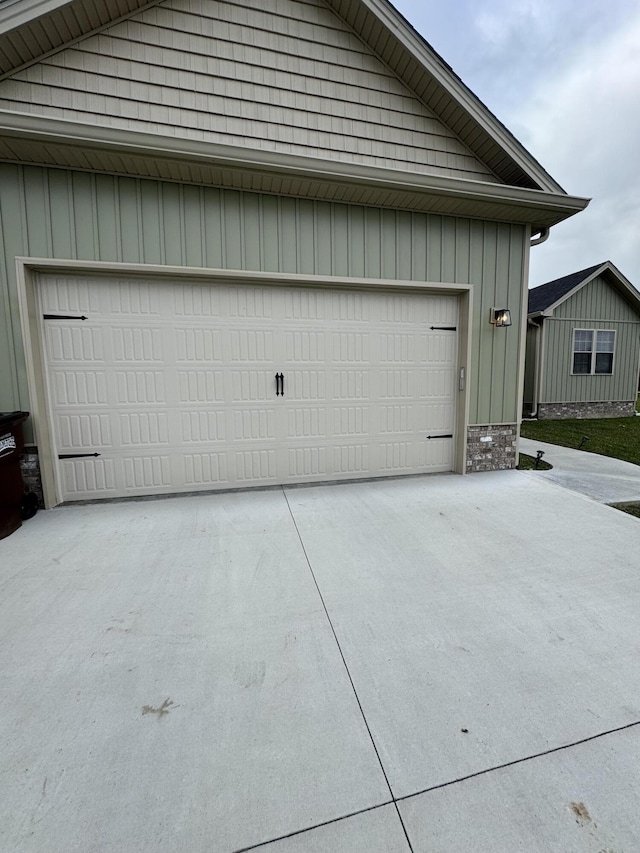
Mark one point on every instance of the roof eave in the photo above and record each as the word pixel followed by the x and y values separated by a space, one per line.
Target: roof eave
pixel 17 13
pixel 541 208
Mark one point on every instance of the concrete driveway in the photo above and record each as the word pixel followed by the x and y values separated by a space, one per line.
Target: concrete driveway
pixel 430 664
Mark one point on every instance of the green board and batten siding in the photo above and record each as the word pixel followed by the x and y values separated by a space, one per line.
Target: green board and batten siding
pixel 55 213
pixel 583 310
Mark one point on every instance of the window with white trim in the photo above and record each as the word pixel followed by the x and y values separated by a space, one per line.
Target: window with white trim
pixel 593 351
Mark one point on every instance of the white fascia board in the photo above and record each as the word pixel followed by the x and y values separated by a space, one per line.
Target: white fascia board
pixel 16 13
pixel 624 285
pixel 32 127
pixel 414 44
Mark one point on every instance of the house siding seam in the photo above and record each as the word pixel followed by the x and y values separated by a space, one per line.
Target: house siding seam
pixel 293 79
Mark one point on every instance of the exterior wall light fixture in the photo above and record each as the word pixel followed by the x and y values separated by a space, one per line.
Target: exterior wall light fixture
pixel 500 317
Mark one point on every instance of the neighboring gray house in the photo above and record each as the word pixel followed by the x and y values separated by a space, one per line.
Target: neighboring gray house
pixel 583 346
pixel 287 225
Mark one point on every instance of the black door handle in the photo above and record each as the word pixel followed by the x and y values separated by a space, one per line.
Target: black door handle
pixel 279 384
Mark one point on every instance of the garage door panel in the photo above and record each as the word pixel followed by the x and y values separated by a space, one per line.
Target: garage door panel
pixel 255 466
pixel 200 386
pixel 306 422
pixel 88 478
pixel 74 343
pixel 305 462
pixel 305 304
pixel 79 388
pixel 134 344
pixel 140 387
pixel 144 472
pixel 139 429
pixel 252 346
pixel 397 456
pixel 193 300
pixel 72 296
pixel 203 426
pixel 137 298
pixel 251 423
pixel 205 469
pixel 301 385
pixel 438 347
pixel 399 419
pixel 436 453
pixel 352 459
pixel 173 384
pixel 250 302
pixel 303 347
pixel 251 386
pixel 198 345
pixel 439 417
pixel 351 384
pixel 84 431
pixel 350 347
pixel 398 384
pixel 351 420
pixel 434 383
pixel 352 307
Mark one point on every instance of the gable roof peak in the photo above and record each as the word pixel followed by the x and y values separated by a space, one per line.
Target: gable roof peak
pixel 548 296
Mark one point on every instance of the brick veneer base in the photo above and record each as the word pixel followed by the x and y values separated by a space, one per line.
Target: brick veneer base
pixel 30 465
pixel 491 448
pixel 558 411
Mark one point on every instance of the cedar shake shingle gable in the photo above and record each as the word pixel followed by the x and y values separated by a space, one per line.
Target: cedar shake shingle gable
pixel 545 295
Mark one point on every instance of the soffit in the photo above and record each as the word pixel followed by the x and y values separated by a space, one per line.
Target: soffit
pixel 122 154
pixel 30 29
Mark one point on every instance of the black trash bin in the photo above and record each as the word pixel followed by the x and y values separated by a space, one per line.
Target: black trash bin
pixel 11 484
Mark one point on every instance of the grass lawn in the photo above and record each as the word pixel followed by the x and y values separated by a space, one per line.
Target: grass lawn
pixel 631 508
pixel 617 437
pixel 528 463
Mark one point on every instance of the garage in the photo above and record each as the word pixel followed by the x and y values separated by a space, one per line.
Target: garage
pixel 166 385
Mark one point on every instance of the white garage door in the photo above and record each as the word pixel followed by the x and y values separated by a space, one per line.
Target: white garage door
pixel 175 386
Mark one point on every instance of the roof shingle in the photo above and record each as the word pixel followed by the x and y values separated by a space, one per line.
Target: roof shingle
pixel 541 297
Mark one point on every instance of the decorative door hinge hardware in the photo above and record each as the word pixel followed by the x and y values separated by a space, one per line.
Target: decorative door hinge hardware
pixel 448 435
pixel 279 384
pixel 76 455
pixel 443 328
pixel 62 317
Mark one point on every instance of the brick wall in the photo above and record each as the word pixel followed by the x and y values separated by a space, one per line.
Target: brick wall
pixel 30 465
pixel 557 411
pixel 491 448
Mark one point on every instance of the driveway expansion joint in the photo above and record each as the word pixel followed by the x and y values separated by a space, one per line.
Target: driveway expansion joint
pixel 353 687
pixel 315 826
pixel 516 761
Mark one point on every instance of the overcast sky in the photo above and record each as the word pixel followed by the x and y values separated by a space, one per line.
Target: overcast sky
pixel 564 77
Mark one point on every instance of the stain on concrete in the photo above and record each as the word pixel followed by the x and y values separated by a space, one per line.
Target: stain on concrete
pixel 160 712
pixel 580 811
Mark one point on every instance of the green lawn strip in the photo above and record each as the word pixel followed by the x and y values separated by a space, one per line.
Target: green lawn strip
pixel 528 463
pixel 630 508
pixel 617 437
